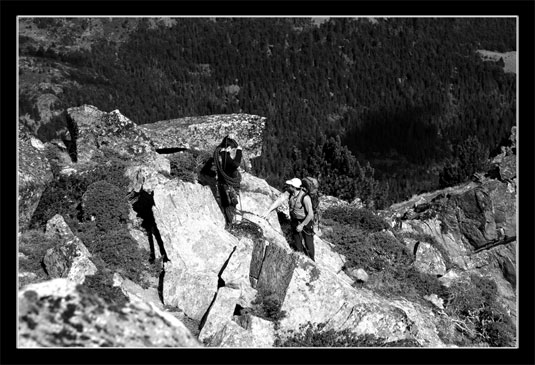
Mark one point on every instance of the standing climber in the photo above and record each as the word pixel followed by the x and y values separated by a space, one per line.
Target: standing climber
pixel 301 216
pixel 227 158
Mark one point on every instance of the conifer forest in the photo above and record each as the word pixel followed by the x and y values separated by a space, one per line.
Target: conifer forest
pixel 378 109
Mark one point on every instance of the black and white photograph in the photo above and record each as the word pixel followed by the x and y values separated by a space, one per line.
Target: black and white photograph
pixel 268 181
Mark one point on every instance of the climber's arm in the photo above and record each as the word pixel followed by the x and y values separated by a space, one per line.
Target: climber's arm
pixel 277 203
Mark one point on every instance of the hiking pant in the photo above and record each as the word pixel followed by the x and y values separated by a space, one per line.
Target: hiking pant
pixel 229 210
pixel 306 235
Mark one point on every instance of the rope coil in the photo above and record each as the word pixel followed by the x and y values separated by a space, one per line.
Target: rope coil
pixel 231 181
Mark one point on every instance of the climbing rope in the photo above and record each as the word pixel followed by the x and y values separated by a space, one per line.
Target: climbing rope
pixel 231 181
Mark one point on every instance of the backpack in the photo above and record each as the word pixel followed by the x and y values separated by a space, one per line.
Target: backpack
pixel 312 186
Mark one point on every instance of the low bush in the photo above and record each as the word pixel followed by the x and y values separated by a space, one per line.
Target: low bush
pixel 101 284
pixel 388 261
pixel 363 219
pixel 267 305
pixel 186 165
pixel 481 318
pixel 107 204
pixel 314 335
pixel 117 251
pixel 63 195
pixel 371 252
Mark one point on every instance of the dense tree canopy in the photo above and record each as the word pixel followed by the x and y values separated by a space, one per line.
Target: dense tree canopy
pixel 398 94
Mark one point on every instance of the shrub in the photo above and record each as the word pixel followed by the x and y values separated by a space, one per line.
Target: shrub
pixel 388 261
pixel 186 165
pixel 101 284
pixel 313 335
pixel 111 168
pixel 116 250
pixel 267 305
pixel 372 252
pixel 61 196
pixel 482 318
pixel 107 204
pixel 358 218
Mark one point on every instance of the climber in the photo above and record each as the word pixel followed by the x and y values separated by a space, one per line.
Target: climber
pixel 227 158
pixel 301 216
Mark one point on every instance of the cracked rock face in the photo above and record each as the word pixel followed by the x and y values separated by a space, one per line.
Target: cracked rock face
pixel 58 313
pixel 192 229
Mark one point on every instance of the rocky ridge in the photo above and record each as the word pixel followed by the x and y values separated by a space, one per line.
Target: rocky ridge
pixel 214 275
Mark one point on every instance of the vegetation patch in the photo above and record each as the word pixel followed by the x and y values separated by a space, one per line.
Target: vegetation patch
pixel 363 219
pixel 314 335
pixel 186 165
pixel 64 195
pixel 480 318
pixel 386 259
pixel 267 305
pixel 34 244
pixel 107 204
pixel 249 229
pixel 101 284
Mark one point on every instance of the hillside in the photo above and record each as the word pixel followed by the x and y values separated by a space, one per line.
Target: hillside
pixel 401 93
pixel 437 271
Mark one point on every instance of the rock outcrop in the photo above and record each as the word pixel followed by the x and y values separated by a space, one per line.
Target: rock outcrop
pixel 70 258
pixel 218 278
pixel 34 173
pixel 197 245
pixel 473 224
pixel 206 132
pixel 58 313
pixel 91 129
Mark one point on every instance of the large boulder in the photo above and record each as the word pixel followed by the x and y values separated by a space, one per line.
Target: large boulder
pixel 206 132
pixel 192 228
pixel 59 313
pixel 34 173
pixel 92 129
pixel 312 292
pixel 70 258
pixel 429 260
pixel 314 295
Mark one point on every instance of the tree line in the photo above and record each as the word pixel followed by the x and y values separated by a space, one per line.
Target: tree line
pixel 377 109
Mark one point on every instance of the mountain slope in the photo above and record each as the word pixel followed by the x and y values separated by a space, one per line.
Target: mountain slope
pixel 246 287
pixel 401 93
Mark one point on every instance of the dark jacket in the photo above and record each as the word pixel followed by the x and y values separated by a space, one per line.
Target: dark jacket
pixel 230 166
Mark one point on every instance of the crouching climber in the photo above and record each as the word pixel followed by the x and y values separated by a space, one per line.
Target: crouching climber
pixel 301 216
pixel 227 159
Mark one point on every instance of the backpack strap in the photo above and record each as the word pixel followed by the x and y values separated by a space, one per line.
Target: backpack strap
pixel 303 199
pixel 316 218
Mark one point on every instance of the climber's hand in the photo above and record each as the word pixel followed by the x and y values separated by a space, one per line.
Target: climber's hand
pixel 299 228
